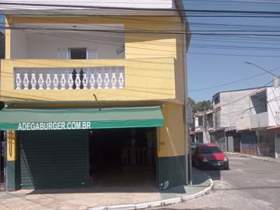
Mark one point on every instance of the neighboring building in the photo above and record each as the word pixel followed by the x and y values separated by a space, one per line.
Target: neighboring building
pixel 203 127
pixel 247 120
pixel 95 95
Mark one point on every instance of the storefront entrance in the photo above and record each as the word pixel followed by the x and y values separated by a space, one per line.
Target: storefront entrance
pixel 123 157
pixel 67 148
pixel 85 158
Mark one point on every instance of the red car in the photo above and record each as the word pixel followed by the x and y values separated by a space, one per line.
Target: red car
pixel 209 156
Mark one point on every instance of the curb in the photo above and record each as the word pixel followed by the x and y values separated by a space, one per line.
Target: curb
pixel 160 203
pixel 270 159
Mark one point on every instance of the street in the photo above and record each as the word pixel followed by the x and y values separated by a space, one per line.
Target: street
pixel 250 184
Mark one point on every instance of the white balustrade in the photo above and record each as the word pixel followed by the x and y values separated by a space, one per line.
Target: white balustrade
pixel 41 82
pixel 18 81
pixel 85 81
pixel 62 82
pixel 121 80
pixel 25 81
pixel 78 82
pixel 70 81
pixel 61 79
pixel 33 81
pixel 114 81
pixel 55 82
pixel 99 81
pixel 92 81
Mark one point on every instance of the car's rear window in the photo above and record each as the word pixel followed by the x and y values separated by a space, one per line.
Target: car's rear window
pixel 209 150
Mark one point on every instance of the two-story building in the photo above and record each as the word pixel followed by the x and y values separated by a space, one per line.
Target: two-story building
pixel 247 120
pixel 203 126
pixel 94 92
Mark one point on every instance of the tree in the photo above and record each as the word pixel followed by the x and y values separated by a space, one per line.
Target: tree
pixel 202 106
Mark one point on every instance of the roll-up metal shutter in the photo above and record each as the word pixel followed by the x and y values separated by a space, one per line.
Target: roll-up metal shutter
pixel 53 159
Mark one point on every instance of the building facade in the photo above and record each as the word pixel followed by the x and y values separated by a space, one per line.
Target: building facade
pixel 247 120
pixel 94 95
pixel 203 127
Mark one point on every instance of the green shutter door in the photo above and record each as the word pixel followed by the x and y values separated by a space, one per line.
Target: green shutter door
pixel 54 159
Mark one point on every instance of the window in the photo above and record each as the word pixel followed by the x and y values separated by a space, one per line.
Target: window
pixel 209 150
pixel 259 102
pixel 200 121
pixel 78 53
pixel 216 99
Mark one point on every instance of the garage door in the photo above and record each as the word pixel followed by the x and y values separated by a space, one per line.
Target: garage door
pixel 53 159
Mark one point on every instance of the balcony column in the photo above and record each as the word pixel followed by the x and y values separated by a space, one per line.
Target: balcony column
pixel 7 40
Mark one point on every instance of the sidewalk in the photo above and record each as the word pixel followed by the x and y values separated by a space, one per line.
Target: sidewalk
pixel 139 197
pixel 254 157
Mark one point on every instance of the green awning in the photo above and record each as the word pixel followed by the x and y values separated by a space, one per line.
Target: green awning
pixel 70 119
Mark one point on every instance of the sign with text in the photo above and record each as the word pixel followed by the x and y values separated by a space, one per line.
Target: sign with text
pixel 62 125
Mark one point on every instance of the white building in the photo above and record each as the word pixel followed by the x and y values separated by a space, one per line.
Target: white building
pixel 247 120
pixel 202 127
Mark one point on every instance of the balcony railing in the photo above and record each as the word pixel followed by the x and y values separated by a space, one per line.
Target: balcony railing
pixel 109 77
pixel 78 80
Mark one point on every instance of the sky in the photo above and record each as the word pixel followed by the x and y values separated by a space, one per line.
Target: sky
pixel 217 63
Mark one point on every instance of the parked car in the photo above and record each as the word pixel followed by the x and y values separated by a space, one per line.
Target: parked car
pixel 210 156
pixel 193 147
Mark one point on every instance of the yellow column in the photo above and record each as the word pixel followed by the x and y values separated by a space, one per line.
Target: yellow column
pixel 11 145
pixel 7 40
pixel 11 169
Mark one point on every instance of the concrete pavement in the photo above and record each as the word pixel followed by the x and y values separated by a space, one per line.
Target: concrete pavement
pixel 250 184
pixel 106 197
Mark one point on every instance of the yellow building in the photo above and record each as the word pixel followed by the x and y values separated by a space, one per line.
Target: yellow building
pixel 94 95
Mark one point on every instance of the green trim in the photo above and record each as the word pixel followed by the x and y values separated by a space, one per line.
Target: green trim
pixel 171 172
pixel 59 119
pixel 11 176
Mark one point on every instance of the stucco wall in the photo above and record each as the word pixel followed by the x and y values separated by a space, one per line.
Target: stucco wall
pixel 273 104
pixel 166 49
pixel 172 141
pixel 235 109
pixel 53 45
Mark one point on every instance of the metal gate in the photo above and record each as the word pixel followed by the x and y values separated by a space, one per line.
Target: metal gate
pixel 248 143
pixel 53 159
pixel 277 145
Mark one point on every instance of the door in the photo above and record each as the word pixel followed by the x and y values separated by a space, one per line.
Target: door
pixel 53 159
pixel 277 145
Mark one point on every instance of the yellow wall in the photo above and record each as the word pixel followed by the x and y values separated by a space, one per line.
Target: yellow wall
pixel 7 40
pixel 145 81
pixel 171 138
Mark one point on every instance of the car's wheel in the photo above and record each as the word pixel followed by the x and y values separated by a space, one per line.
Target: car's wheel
pixel 197 164
pixel 226 167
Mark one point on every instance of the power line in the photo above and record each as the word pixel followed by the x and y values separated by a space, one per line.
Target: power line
pixel 223 33
pixel 230 83
pixel 138 9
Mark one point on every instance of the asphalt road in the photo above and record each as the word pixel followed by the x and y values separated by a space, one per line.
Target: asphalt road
pixel 250 184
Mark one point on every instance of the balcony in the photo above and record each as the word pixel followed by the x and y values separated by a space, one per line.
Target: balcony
pixel 78 80
pixel 107 77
